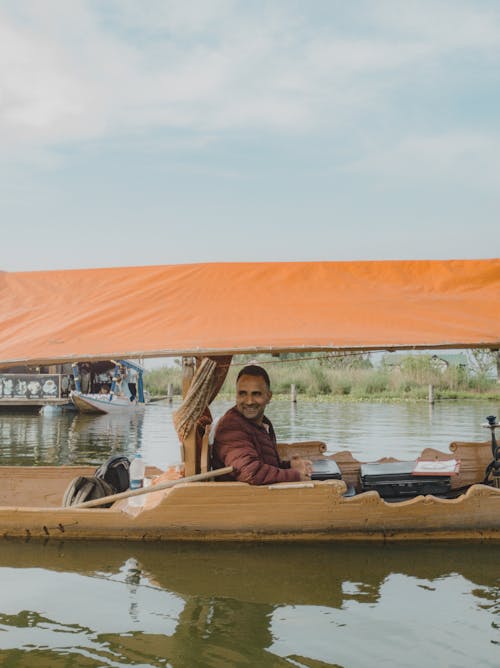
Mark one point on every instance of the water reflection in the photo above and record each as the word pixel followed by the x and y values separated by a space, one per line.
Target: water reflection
pixel 266 605
pixel 104 435
pixel 369 431
pixel 66 437
pixel 28 439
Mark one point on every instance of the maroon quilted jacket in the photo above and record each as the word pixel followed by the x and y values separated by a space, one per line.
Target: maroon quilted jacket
pixel 251 450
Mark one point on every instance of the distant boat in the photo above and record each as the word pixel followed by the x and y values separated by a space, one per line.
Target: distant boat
pixel 97 403
pixel 117 387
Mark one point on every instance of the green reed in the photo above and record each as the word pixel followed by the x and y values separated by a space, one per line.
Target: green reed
pixel 318 376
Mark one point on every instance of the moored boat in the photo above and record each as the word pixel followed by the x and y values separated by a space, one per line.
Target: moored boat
pixel 118 387
pixel 96 403
pixel 203 313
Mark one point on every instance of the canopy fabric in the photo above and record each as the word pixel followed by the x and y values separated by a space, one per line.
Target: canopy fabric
pixel 56 316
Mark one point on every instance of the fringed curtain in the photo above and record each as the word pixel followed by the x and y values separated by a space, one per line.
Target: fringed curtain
pixel 205 386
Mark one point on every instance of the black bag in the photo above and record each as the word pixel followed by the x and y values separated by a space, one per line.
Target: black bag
pixel 84 488
pixel 112 477
pixel 116 473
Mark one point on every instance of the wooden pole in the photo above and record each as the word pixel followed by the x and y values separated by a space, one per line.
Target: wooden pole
pixel 170 392
pixel 188 451
pixel 188 447
pixel 293 393
pixel 152 488
pixel 431 394
pixel 187 374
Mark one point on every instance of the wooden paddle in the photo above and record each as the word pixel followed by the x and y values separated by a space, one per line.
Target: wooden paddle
pixel 147 490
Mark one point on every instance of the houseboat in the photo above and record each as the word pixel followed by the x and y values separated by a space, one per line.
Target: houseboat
pixel 34 387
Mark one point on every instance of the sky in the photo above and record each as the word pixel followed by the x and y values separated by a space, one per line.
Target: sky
pixel 165 132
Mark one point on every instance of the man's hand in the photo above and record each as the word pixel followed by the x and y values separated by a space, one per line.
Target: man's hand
pixel 303 466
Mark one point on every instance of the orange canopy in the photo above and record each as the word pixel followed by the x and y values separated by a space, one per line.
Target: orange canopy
pixel 57 316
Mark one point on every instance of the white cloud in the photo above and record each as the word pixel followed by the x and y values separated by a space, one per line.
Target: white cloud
pixel 80 70
pixel 444 25
pixel 37 90
pixel 175 17
pixel 463 158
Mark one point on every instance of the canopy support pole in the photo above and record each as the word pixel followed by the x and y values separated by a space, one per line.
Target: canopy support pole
pixel 189 452
pixel 187 373
pixel 188 445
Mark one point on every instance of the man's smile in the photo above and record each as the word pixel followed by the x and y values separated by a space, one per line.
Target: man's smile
pixel 252 397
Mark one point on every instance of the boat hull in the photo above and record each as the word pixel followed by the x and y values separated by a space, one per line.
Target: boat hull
pixel 317 514
pixel 225 511
pixel 100 403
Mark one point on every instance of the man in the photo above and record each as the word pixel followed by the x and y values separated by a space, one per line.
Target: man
pixel 132 376
pixel 245 438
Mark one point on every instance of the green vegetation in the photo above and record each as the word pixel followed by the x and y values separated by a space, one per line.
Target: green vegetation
pixel 353 377
pixel 157 381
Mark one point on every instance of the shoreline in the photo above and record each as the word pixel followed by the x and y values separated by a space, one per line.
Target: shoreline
pixel 373 398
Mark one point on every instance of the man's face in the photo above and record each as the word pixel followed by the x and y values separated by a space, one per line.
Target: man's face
pixel 252 397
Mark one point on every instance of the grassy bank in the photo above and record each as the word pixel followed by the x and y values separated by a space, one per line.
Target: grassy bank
pixel 326 379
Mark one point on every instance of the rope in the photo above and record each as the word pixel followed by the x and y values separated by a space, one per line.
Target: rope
pixel 196 399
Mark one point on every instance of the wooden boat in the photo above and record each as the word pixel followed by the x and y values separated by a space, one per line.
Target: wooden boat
pixel 30 501
pixel 114 396
pixel 204 314
pixel 97 403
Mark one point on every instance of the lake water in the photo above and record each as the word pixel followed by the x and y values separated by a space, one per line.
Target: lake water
pixel 68 604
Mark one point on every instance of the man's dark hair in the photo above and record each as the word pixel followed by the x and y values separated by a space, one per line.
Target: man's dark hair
pixel 255 370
